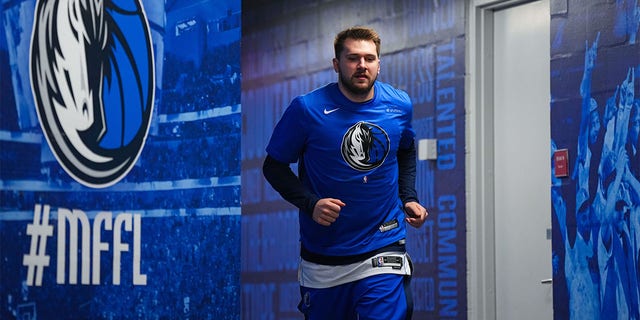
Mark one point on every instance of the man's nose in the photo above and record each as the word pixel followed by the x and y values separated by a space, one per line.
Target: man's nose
pixel 362 63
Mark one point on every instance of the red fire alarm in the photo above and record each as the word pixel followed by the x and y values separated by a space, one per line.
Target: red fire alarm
pixel 561 162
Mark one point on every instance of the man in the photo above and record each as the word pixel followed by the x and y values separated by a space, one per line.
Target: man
pixel 355 188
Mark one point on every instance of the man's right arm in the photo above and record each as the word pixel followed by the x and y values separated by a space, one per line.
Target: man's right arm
pixel 283 180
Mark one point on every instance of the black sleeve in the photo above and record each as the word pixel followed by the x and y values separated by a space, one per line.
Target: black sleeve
pixel 283 180
pixel 407 174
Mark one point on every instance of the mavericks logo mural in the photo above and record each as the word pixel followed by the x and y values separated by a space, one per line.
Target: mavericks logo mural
pixel 92 76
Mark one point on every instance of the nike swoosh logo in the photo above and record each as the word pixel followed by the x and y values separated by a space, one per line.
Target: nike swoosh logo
pixel 329 111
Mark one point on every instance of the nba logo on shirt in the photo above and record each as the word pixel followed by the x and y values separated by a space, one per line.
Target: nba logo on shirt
pixel 92 77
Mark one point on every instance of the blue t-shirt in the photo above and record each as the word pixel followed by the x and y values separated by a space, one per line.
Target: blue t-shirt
pixel 347 151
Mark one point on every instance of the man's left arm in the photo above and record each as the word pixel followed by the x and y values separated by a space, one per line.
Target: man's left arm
pixel 416 213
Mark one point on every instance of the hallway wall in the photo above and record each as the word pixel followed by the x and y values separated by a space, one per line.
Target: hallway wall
pixel 595 67
pixel 287 49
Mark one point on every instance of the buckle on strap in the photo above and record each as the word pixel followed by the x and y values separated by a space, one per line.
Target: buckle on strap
pixel 394 262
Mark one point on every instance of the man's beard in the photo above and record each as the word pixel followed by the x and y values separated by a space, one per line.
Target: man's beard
pixel 356 90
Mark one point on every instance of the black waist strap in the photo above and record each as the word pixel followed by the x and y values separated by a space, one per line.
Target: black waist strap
pixel 344 260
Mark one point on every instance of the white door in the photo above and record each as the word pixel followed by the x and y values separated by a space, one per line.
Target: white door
pixel 521 146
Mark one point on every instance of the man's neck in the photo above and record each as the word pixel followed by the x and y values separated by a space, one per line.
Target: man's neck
pixel 354 97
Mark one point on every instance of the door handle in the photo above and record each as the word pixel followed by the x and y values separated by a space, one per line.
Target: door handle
pixel 546 281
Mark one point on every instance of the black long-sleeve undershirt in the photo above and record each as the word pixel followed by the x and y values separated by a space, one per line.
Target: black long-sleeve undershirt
pixel 285 182
pixel 407 174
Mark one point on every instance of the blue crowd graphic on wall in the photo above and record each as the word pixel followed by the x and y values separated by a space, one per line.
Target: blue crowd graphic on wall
pixel 120 128
pixel 287 51
pixel 595 110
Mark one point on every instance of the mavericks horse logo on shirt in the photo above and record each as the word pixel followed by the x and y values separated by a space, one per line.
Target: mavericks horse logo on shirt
pixel 365 146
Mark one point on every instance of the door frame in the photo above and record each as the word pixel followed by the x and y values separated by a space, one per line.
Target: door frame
pixel 481 255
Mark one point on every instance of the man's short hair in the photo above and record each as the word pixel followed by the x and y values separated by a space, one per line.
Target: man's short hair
pixel 357 33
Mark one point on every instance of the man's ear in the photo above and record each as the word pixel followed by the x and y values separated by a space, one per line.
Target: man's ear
pixel 335 65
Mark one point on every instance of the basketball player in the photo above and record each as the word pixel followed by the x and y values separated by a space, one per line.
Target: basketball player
pixel 355 188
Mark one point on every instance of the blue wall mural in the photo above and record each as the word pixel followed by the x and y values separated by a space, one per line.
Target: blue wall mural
pixel 120 165
pixel 287 50
pixel 595 115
